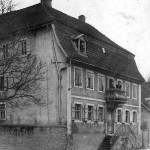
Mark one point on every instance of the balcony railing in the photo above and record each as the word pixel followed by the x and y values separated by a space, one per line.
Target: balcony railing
pixel 115 96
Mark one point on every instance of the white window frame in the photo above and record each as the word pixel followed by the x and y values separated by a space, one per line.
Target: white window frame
pixel 133 84
pixel 90 121
pixel 79 103
pixel 103 113
pixel 121 83
pixel 109 82
pixel 101 75
pixel 129 116
pixel 88 71
pixel 126 82
pixel 5 111
pixel 117 115
pixel 81 77
pixel 136 118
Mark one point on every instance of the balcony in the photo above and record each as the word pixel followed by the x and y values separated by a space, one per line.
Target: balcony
pixel 115 97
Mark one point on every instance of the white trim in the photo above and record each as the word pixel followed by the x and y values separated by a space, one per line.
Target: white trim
pixel 121 83
pixel 147 99
pixel 131 105
pixel 88 71
pixel 133 84
pixel 101 75
pixel 87 98
pixel 100 122
pixel 136 116
pixel 126 82
pixel 81 77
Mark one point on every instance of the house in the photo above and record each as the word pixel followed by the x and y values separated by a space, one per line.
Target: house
pixel 93 86
pixel 145 110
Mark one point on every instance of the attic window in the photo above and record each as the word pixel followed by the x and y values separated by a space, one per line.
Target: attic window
pixel 103 49
pixel 79 42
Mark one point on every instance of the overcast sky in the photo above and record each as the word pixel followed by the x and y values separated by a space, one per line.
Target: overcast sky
pixel 126 22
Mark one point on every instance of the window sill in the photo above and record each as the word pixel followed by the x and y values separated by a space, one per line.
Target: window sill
pixel 89 121
pixel 89 89
pixel 78 121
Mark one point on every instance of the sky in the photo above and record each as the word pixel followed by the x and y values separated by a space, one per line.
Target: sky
pixel 126 22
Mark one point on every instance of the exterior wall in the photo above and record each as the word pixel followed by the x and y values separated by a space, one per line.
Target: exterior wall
pixel 43 44
pixel 33 138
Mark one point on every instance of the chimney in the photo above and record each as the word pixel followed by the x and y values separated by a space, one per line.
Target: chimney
pixel 82 18
pixel 47 3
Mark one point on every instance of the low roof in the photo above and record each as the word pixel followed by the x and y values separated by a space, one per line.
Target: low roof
pixel 116 60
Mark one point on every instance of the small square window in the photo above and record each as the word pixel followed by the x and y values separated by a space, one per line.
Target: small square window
pixel 90 80
pixel 119 84
pixel 111 83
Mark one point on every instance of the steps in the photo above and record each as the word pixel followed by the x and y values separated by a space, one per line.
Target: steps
pixel 105 145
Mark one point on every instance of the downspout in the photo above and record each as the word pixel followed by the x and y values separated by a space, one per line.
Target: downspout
pixel 59 81
pixel 58 72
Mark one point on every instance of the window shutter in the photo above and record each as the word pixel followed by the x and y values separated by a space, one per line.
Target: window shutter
pixel 95 113
pixel 73 111
pixel 86 112
pixel 83 112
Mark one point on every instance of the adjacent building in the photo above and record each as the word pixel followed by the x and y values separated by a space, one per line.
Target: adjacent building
pixel 93 86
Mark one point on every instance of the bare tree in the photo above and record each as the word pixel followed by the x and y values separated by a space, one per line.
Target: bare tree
pixel 21 73
pixel 6 6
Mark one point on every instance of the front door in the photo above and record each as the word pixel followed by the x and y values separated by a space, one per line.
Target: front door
pixel 110 123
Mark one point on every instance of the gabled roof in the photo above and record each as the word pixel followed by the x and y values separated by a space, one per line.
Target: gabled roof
pixel 116 60
pixel 145 93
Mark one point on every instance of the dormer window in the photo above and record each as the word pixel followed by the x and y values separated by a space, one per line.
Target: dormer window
pixel 79 42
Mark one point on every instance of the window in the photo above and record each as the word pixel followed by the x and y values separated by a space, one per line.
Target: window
pixel 127 116
pixel 5 51
pixel 1 83
pixel 101 83
pixel 90 113
pixel 127 89
pixel 90 80
pixel 119 115
pixel 23 45
pixel 80 43
pixel 134 117
pixel 119 85
pixel 101 114
pixel 134 91
pixel 77 111
pixel 111 84
pixel 2 111
pixel 78 77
